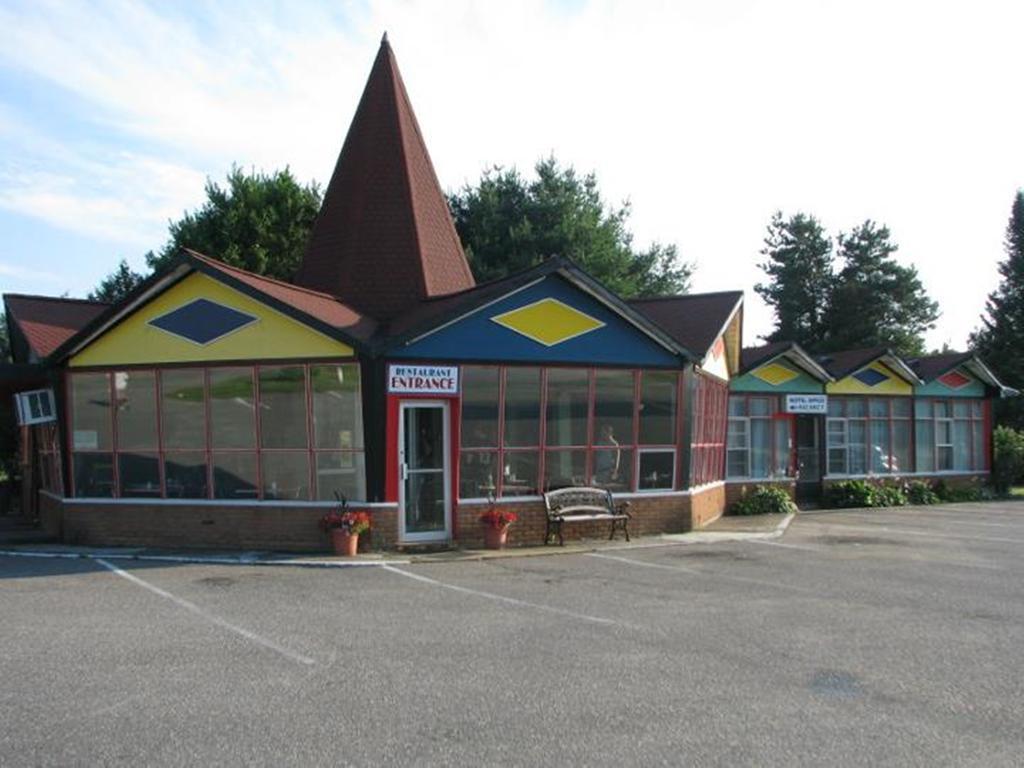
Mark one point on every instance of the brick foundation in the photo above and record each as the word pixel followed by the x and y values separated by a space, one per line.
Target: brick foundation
pixel 294 528
pixel 51 515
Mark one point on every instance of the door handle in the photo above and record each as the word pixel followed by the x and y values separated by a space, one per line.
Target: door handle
pixel 403 471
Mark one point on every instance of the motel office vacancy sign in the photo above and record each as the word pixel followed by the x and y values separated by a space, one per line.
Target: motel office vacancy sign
pixel 423 379
pixel 806 403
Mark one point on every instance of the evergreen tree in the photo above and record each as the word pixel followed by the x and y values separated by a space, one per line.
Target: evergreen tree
pixel 507 223
pixel 1000 340
pixel 5 342
pixel 117 284
pixel 876 301
pixel 259 222
pixel 799 267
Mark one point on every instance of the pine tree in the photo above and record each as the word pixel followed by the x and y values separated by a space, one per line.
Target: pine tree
pixel 875 301
pixel 799 268
pixel 1000 340
pixel 117 284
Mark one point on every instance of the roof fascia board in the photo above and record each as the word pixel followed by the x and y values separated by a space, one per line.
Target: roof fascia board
pixel 894 361
pixel 725 326
pixel 982 371
pixel 799 358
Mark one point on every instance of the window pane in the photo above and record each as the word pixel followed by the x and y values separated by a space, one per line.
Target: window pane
pixel 783 448
pixel 564 468
pixel 656 468
pixel 567 407
pixel 522 407
pixel 961 409
pixel 183 404
pixel 961 445
pixel 924 445
pixel 857 437
pixel 836 406
pixel 923 408
pixel 976 409
pixel 856 406
pixel 91 409
pixel 942 409
pixel 901 407
pixel 658 408
pixel 185 475
pixel 901 446
pixel 283 407
pixel 613 469
pixel 944 432
pixel 139 475
pixel 613 407
pixel 836 432
pixel 94 475
pixel 760 447
pixel 944 458
pixel 341 472
pixel 760 406
pixel 736 437
pixel 737 463
pixel 480 406
pixel 837 461
pixel 232 409
pixel 234 475
pixel 879 407
pixel 337 406
pixel 879 452
pixel 737 405
pixel 135 396
pixel 286 475
pixel 478 474
pixel 979 445
pixel 520 474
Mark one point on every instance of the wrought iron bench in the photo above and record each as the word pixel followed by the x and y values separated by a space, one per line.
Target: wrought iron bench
pixel 577 505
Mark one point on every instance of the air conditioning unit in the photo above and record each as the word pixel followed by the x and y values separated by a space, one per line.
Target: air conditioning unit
pixel 35 407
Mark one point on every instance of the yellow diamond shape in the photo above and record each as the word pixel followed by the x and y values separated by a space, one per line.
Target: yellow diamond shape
pixel 548 322
pixel 775 374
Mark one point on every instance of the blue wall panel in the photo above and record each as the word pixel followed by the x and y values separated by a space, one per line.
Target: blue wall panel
pixel 478 337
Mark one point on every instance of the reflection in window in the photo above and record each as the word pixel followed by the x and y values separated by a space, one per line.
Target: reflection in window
pixel 282 407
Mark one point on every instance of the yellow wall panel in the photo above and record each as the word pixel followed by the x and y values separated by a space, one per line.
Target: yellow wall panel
pixel 274 335
pixel 894 385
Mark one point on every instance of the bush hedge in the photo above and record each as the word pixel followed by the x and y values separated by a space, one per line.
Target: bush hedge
pixel 860 493
pixel 764 500
pixel 1008 464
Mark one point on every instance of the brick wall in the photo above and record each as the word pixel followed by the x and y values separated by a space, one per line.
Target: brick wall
pixel 51 515
pixel 707 505
pixel 736 491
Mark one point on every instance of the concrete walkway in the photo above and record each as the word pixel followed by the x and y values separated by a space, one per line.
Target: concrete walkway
pixel 724 529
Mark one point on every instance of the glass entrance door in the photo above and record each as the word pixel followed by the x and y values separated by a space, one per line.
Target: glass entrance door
pixel 808 457
pixel 425 509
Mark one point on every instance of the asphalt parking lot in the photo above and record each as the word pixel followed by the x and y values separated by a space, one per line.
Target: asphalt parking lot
pixel 858 638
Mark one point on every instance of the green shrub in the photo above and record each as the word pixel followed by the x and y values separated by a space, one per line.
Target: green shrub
pixel 764 500
pixel 920 492
pixel 851 493
pixel 962 493
pixel 890 496
pixel 1008 459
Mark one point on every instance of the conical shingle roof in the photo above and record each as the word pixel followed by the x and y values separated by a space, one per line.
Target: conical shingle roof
pixel 384 238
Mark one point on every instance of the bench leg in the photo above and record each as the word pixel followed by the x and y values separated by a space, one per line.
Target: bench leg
pixel 611 535
pixel 625 528
pixel 547 532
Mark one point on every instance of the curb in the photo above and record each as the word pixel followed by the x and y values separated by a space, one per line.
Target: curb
pixel 201 560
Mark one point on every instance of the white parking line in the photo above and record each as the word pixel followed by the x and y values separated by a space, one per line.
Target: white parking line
pixel 1001 540
pixel 929 517
pixel 212 618
pixel 503 599
pixel 718 575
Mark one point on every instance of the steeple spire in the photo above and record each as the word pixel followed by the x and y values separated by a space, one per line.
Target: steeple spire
pixel 384 239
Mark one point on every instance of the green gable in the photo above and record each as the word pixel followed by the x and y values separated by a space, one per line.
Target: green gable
pixel 760 380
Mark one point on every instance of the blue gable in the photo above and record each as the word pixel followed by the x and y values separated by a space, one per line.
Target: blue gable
pixel 599 336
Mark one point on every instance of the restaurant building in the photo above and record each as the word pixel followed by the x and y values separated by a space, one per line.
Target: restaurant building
pixel 214 407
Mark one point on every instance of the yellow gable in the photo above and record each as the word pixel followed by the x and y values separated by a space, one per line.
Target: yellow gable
pixel 874 379
pixel 199 320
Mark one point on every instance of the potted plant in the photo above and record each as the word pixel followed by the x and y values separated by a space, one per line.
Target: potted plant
pixel 343 526
pixel 496 522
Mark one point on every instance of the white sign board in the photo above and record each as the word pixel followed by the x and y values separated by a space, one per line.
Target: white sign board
pixel 807 404
pixel 35 407
pixel 423 379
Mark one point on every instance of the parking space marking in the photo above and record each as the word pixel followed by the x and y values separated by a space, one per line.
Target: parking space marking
pixel 210 617
pixel 705 574
pixel 941 520
pixel 504 599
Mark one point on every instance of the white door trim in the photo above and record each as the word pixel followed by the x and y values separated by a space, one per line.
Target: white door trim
pixel 429 536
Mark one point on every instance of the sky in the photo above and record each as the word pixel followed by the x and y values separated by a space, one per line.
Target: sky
pixel 706 116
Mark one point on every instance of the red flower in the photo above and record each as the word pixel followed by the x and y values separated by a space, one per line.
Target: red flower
pixel 498 518
pixel 350 522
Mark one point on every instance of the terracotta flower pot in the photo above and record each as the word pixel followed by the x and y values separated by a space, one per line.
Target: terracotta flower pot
pixel 344 543
pixel 495 538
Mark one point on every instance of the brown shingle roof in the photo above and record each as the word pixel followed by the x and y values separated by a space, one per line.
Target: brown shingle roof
pixel 322 306
pixel 845 362
pixel 930 367
pixel 46 322
pixel 384 239
pixel 694 320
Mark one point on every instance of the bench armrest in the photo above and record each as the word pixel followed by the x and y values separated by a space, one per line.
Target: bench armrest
pixel 622 508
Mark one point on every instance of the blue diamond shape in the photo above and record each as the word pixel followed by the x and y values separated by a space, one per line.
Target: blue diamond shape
pixel 870 376
pixel 202 321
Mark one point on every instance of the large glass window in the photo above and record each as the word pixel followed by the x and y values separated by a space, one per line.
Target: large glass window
pixel 589 423
pixel 707 456
pixel 868 435
pixel 950 435
pixel 192 433
pixel 759 439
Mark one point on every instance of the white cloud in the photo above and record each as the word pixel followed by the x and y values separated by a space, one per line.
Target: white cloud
pixel 708 116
